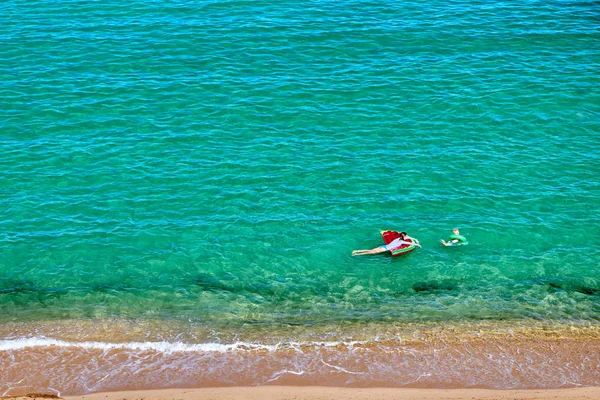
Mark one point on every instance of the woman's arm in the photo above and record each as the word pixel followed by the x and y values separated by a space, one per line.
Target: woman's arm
pixel 415 241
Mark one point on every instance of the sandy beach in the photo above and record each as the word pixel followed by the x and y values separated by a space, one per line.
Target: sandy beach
pixel 444 357
pixel 325 393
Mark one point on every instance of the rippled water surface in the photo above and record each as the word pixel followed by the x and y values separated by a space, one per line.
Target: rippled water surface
pixel 213 164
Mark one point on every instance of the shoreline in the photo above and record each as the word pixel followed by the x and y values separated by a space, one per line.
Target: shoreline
pixel 322 393
pixel 444 357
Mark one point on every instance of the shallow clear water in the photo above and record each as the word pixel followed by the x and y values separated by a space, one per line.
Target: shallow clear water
pixel 215 163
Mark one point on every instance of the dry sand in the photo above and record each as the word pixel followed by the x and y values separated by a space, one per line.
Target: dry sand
pixel 326 393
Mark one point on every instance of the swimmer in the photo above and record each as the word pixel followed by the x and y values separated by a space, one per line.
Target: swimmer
pixel 455 238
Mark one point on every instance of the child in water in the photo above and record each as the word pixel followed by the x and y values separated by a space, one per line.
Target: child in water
pixel 455 238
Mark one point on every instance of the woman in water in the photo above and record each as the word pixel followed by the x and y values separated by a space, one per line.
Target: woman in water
pixel 389 247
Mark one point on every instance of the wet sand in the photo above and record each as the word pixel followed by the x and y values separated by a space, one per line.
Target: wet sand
pixel 326 393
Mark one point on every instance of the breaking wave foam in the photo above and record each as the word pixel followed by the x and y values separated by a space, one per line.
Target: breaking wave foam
pixel 163 347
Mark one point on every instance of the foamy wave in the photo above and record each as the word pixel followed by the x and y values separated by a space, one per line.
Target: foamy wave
pixel 163 347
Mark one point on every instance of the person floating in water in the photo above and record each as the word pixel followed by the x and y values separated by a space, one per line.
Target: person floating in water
pixel 455 239
pixel 389 247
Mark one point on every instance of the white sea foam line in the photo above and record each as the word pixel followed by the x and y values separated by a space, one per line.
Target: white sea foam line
pixel 278 375
pixel 342 369
pixel 163 347
pixel 166 347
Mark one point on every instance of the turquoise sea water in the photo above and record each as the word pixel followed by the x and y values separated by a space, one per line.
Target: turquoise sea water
pixel 216 162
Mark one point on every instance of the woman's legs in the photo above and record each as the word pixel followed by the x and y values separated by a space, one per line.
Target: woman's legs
pixel 376 250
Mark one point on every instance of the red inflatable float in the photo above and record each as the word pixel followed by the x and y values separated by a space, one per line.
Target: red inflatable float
pixel 390 236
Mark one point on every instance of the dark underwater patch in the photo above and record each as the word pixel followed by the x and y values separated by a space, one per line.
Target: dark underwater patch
pixel 18 288
pixel 209 283
pixel 587 290
pixel 24 292
pixel 570 287
pixel 434 286
pixel 555 285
